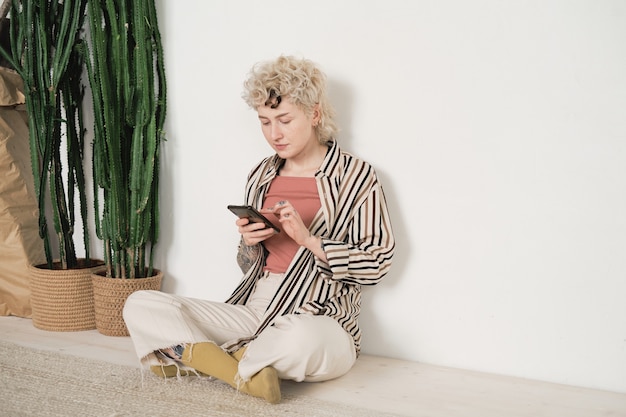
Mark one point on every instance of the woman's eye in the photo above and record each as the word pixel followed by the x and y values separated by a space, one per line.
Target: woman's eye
pixel 285 122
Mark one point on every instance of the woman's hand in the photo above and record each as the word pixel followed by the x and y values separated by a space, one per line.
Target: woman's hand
pixel 290 221
pixel 292 224
pixel 253 233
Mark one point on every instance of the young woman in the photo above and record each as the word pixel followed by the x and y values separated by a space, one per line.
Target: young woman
pixel 294 315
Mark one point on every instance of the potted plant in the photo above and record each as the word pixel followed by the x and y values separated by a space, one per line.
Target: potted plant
pixel 46 53
pixel 127 78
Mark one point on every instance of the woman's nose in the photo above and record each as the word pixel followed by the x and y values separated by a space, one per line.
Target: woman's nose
pixel 276 132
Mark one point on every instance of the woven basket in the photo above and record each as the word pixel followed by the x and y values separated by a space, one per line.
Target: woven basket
pixel 110 294
pixel 62 299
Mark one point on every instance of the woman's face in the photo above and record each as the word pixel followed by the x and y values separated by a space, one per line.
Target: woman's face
pixel 288 129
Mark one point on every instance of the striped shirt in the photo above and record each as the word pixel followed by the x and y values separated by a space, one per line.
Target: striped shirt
pixel 357 238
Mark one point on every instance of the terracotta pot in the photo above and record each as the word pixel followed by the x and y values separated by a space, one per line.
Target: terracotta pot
pixel 62 299
pixel 110 294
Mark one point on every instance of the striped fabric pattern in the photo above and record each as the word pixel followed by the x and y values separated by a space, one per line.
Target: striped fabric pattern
pixel 355 228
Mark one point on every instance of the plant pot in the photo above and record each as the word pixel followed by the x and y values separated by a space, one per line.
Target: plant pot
pixel 62 299
pixel 110 294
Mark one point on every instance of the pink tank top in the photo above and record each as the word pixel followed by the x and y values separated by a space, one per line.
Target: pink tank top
pixel 302 194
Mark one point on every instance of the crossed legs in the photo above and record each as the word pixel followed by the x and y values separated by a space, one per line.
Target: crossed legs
pixel 298 347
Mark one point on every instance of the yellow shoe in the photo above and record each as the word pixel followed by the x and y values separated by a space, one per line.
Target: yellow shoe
pixel 210 359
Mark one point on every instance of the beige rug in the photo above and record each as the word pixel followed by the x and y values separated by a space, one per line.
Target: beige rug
pixel 41 383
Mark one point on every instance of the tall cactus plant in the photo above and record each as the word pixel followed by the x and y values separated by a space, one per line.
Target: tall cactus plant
pixel 127 78
pixel 46 52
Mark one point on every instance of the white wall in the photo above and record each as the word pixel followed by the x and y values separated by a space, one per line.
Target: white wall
pixel 499 131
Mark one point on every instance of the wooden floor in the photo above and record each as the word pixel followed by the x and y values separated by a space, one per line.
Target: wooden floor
pixel 400 387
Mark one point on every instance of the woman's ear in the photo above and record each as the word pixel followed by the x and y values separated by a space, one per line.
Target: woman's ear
pixel 316 116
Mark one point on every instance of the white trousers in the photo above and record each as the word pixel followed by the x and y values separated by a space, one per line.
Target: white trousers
pixel 301 347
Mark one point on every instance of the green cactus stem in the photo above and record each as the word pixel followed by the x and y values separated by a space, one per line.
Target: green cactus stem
pixel 127 78
pixel 46 52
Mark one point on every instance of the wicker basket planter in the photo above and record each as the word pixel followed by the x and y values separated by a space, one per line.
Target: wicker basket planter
pixel 62 299
pixel 110 294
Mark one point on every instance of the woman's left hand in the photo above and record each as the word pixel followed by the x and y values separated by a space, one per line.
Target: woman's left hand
pixel 292 224
pixel 290 221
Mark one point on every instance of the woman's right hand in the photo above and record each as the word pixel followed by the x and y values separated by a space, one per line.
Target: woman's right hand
pixel 253 233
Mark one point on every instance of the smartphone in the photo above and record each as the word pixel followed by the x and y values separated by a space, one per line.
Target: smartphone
pixel 252 214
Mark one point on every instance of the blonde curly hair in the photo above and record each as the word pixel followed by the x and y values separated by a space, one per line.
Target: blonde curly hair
pixel 301 81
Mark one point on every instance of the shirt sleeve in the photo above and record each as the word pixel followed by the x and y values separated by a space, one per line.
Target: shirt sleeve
pixel 365 257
